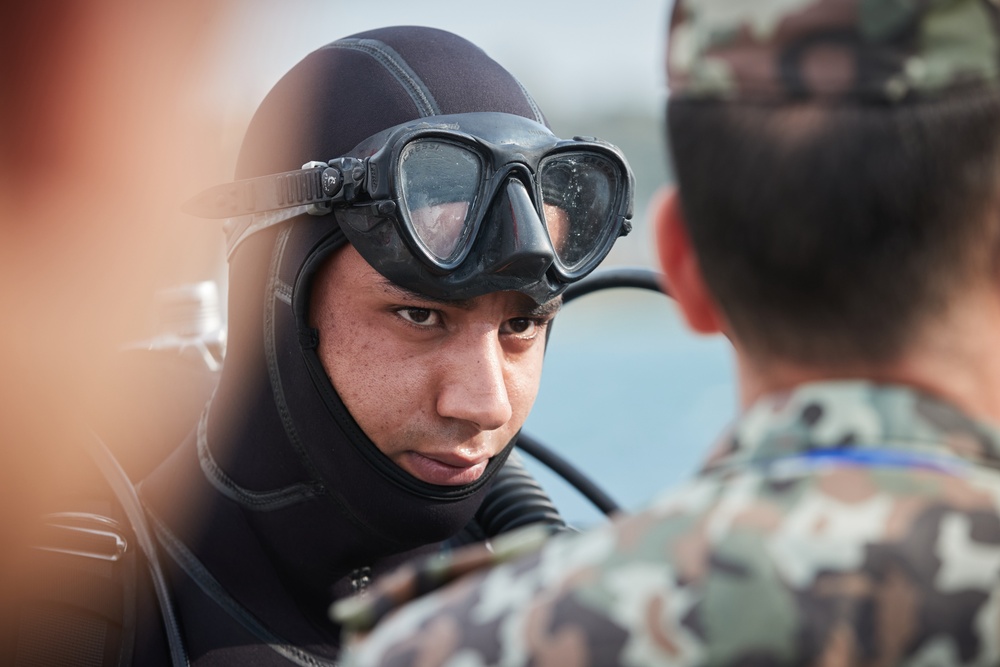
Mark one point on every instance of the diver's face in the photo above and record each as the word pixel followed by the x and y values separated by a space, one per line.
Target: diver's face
pixel 440 387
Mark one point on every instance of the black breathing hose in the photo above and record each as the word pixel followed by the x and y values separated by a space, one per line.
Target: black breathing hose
pixel 569 472
pixel 636 277
pixel 516 500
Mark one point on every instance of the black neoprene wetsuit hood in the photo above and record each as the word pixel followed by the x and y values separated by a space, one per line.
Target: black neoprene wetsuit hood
pixel 278 502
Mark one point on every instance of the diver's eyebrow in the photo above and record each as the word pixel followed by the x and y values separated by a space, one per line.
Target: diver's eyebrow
pixel 547 309
pixel 403 293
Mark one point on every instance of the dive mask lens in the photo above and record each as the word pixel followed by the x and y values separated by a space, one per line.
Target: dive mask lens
pixel 438 183
pixel 580 201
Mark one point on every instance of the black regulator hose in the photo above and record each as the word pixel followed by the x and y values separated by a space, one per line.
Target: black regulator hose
pixel 636 277
pixel 570 473
pixel 516 500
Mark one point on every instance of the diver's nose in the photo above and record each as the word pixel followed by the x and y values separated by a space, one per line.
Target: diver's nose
pixel 522 246
pixel 474 388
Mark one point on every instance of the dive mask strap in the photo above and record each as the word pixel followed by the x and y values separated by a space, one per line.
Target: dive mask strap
pixel 316 185
pixel 237 230
pixel 254 204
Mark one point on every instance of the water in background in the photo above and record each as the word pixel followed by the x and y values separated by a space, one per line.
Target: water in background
pixel 630 396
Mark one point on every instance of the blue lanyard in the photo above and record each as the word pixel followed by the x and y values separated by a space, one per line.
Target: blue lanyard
pixel 890 458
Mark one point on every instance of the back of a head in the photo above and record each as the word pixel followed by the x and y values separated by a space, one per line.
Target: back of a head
pixel 838 163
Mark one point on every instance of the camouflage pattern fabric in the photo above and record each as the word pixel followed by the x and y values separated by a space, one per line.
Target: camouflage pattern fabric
pixel 842 524
pixel 885 50
pixel 360 613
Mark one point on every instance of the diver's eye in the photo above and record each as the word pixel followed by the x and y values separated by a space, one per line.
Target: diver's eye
pixel 423 317
pixel 521 326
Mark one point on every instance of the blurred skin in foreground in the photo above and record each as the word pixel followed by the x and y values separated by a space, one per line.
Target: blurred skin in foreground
pixel 99 139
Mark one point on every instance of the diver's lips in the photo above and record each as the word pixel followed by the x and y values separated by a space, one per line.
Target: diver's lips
pixel 443 470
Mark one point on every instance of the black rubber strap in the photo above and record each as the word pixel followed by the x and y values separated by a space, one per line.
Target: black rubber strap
pixel 265 193
pixel 125 492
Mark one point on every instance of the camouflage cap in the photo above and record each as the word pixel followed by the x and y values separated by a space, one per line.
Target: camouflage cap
pixel 868 50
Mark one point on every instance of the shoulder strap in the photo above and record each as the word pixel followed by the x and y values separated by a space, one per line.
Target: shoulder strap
pixel 75 599
pixel 125 492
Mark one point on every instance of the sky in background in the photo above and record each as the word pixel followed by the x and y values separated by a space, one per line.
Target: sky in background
pixel 569 54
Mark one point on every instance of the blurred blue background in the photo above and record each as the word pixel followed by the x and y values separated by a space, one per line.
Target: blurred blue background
pixel 630 397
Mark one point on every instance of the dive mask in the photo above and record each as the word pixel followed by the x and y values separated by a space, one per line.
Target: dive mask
pixel 455 206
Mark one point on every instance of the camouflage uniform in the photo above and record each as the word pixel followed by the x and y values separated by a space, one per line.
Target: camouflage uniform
pixel 844 523
pixel 841 524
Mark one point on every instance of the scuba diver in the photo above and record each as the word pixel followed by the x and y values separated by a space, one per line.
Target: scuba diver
pixel 398 238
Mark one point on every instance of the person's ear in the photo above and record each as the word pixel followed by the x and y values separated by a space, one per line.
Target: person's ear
pixel 680 265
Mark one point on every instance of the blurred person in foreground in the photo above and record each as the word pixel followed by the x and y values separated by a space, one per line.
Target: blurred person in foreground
pixel 98 136
pixel 399 238
pixel 837 216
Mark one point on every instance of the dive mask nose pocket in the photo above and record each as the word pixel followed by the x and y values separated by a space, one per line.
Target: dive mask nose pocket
pixel 513 241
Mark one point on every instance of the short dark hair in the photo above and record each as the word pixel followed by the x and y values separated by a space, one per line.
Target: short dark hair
pixel 827 233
